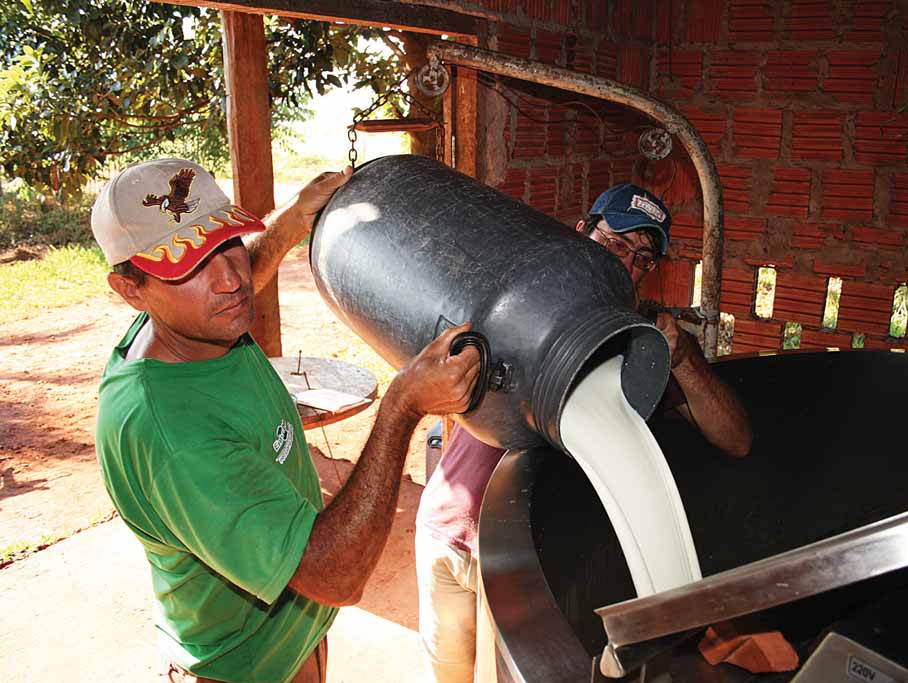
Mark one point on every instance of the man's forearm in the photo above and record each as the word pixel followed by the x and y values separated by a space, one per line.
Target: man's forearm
pixel 289 225
pixel 350 533
pixel 285 228
pixel 713 407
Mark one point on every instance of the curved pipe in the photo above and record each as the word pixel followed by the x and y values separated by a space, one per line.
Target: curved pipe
pixel 672 120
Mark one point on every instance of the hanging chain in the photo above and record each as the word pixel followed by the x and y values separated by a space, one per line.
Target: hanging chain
pixel 352 154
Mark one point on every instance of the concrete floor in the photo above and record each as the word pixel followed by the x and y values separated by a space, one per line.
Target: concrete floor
pixel 80 611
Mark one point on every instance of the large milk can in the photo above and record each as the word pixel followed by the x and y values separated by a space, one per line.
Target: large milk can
pixel 409 247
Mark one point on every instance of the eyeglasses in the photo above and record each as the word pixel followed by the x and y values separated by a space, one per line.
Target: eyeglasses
pixel 644 259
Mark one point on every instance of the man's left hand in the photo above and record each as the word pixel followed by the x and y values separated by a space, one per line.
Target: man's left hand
pixel 313 197
pixel 680 343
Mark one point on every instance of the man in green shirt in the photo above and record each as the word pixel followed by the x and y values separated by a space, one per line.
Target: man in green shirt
pixel 201 446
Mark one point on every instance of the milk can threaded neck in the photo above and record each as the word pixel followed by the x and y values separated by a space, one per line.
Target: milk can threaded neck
pixel 599 337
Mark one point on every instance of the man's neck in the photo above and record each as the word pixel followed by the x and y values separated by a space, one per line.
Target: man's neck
pixel 156 343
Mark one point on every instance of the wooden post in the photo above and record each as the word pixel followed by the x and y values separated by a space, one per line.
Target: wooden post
pixel 249 132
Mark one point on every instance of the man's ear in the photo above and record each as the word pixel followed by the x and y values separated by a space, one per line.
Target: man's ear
pixel 127 289
pixel 581 226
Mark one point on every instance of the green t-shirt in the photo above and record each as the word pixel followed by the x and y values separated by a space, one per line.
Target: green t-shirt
pixel 206 462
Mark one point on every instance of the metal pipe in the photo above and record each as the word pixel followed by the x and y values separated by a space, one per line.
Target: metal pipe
pixel 671 119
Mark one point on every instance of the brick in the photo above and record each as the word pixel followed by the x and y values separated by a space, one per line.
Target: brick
pixel 671 283
pixel 542 189
pixel 778 263
pixel 868 21
pixel 790 71
pixel 881 138
pixel 822 339
pixel 847 195
pixel 564 12
pixel 876 237
pixel 738 291
pixel 790 194
pixel 814 235
pixel 578 55
pixel 556 131
pixel 809 20
pixel 570 187
pixel 817 135
pixel 757 133
pixel 750 21
pixel 751 336
pixel 898 196
pixel 853 76
pixel 597 16
pixel 704 21
pixel 843 270
pixel 710 126
pixel 682 67
pixel 898 91
pixel 540 10
pixel 741 228
pixel 530 136
pixel 733 74
pixel 587 141
pixel 885 344
pixel 548 46
pixel 674 180
pixel 865 307
pixel 617 139
pixel 514 183
pixel 633 65
pixel 607 60
pixel 623 170
pixel 504 6
pixel 737 182
pixel 799 298
pixel 667 16
pixel 513 41
pixel 633 19
pixel 687 229
pixel 599 179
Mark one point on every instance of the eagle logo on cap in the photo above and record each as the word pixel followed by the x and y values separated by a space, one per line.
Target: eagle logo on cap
pixel 175 203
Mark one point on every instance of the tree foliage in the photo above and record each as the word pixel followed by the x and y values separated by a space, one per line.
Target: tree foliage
pixel 85 81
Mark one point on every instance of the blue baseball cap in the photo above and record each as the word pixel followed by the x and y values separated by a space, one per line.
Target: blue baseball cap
pixel 627 207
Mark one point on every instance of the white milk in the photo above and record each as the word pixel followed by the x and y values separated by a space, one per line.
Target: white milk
pixel 619 455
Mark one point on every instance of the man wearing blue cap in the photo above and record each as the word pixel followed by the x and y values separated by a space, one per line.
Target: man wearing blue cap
pixel 634 225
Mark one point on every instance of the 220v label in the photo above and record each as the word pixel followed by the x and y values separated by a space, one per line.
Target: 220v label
pixel 862 671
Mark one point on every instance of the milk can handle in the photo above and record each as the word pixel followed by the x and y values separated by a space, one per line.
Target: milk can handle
pixel 477 339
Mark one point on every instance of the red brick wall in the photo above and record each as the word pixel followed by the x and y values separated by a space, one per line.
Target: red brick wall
pixel 551 152
pixel 799 103
pixel 804 105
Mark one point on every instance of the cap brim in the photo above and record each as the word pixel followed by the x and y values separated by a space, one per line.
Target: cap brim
pixel 625 222
pixel 185 248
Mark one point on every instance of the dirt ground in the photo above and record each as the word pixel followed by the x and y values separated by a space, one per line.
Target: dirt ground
pixel 50 485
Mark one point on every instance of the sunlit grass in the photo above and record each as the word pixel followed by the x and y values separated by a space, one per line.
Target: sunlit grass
pixel 766 292
pixel 64 276
pixel 899 320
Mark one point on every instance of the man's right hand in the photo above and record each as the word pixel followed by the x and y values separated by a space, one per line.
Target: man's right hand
pixel 349 534
pixel 435 382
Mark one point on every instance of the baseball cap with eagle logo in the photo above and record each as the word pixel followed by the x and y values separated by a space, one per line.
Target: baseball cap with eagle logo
pixel 166 216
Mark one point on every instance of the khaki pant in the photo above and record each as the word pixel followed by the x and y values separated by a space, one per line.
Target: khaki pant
pixel 314 669
pixel 447 579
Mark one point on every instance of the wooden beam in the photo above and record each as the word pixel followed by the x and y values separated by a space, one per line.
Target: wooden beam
pixel 249 132
pixel 405 17
pixel 465 87
pixel 396 125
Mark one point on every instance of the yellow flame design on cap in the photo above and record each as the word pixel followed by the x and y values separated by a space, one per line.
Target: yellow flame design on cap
pixel 194 236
